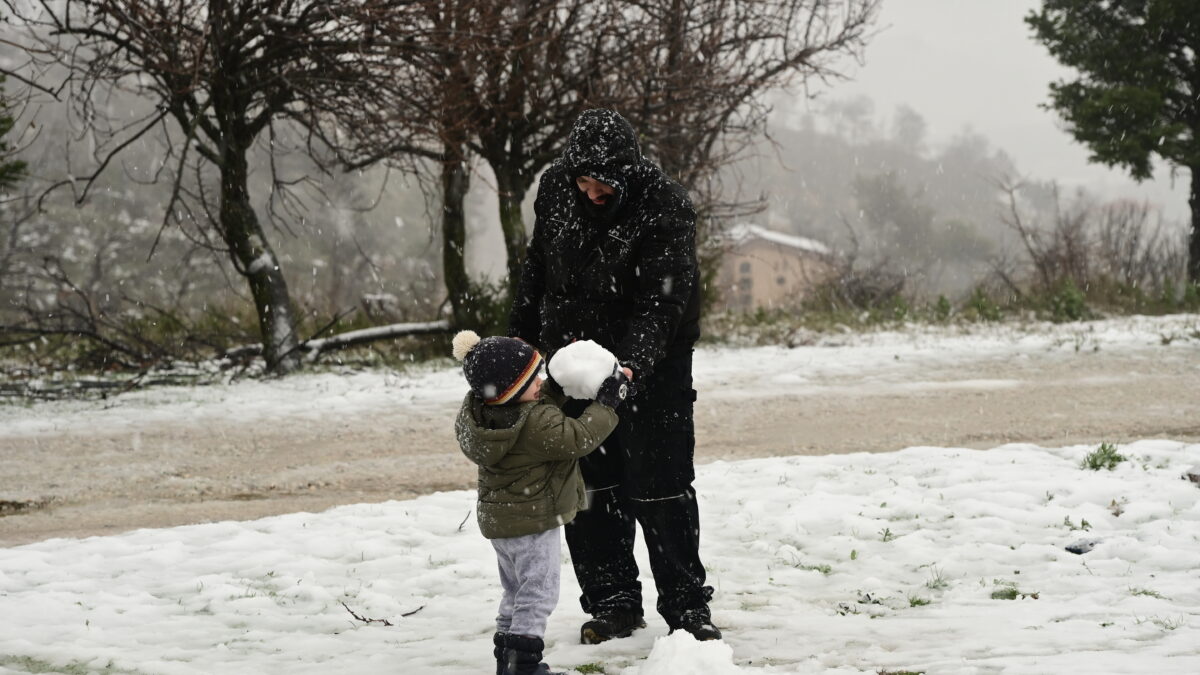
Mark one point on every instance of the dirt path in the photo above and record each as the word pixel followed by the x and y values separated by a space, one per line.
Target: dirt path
pixel 96 484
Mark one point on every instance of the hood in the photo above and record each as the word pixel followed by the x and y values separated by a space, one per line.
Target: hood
pixel 487 433
pixel 604 146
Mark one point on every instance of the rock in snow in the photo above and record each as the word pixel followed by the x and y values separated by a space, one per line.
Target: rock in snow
pixel 1193 474
pixel 1082 546
pixel 581 367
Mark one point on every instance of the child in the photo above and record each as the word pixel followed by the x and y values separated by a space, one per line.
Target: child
pixel 529 482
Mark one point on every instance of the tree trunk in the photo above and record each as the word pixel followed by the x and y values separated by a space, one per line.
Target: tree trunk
pixel 672 153
pixel 511 183
pixel 253 257
pixel 1193 270
pixel 512 191
pixel 455 181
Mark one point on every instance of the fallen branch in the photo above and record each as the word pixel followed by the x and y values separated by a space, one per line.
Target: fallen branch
pixel 365 335
pixel 382 621
pixel 318 346
pixel 365 619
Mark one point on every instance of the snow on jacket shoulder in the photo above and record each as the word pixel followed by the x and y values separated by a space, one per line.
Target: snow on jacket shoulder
pixel 528 457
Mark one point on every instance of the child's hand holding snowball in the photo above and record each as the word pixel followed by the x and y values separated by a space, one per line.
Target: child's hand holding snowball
pixel 585 370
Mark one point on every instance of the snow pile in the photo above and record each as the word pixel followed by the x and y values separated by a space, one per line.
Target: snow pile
pixel 938 560
pixel 681 654
pixel 581 367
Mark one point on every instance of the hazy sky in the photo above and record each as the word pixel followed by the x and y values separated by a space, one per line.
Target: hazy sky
pixel 973 63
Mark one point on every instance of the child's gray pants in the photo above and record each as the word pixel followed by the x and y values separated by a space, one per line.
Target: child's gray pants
pixel 529 569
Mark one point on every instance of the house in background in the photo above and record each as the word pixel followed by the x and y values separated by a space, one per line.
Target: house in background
pixel 763 268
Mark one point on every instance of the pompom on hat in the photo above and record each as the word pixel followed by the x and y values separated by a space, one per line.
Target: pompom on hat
pixel 499 369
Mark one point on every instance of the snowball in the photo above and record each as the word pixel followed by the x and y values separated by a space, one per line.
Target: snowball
pixel 581 367
pixel 681 654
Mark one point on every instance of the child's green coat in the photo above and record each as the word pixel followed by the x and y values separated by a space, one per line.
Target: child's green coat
pixel 528 456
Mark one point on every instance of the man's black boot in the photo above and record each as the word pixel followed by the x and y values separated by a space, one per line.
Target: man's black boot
pixel 699 623
pixel 522 655
pixel 617 623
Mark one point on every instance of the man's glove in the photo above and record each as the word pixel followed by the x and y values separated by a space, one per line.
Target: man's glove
pixel 613 389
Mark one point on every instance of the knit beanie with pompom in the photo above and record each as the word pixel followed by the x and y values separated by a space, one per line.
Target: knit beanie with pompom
pixel 499 369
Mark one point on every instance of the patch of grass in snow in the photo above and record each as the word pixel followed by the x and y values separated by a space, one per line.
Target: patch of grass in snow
pixel 1006 593
pixel 589 668
pixel 1007 590
pixel 1083 524
pixel 886 534
pixel 801 565
pixel 1103 457
pixel 936 581
pixel 29 664
pixel 1146 592
pixel 899 672
pixel 917 601
pixel 1165 624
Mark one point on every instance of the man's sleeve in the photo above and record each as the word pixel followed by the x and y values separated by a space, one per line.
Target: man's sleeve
pixel 525 320
pixel 666 278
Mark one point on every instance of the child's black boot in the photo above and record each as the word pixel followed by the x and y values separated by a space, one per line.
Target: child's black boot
pixel 523 656
pixel 498 651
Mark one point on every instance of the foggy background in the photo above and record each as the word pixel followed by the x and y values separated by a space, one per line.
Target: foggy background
pixel 974 65
pixel 948 99
pixel 904 157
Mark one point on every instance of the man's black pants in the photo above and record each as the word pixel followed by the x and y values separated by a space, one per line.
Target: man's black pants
pixel 643 474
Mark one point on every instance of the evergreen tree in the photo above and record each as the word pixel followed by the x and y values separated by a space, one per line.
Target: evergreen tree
pixel 1137 92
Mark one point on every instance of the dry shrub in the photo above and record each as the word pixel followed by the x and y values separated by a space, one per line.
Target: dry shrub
pixel 1120 254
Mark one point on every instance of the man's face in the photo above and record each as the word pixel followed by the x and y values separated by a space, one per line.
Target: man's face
pixel 596 191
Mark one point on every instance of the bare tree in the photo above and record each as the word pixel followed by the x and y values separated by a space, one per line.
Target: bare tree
pixel 503 81
pixel 549 60
pixel 13 213
pixel 1137 250
pixel 1058 253
pixel 221 76
pixel 1090 244
pixel 690 75
pixel 12 169
pixel 698 70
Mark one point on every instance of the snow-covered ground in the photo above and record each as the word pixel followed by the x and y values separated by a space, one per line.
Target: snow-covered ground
pixel 834 564
pixel 890 360
pixel 838 564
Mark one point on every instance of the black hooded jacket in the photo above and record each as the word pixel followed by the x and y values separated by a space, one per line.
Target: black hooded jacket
pixel 624 274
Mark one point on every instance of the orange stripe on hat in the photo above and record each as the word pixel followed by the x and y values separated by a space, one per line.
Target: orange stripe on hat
pixel 530 370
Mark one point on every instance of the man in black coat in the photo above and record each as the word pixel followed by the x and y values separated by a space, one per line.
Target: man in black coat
pixel 613 259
